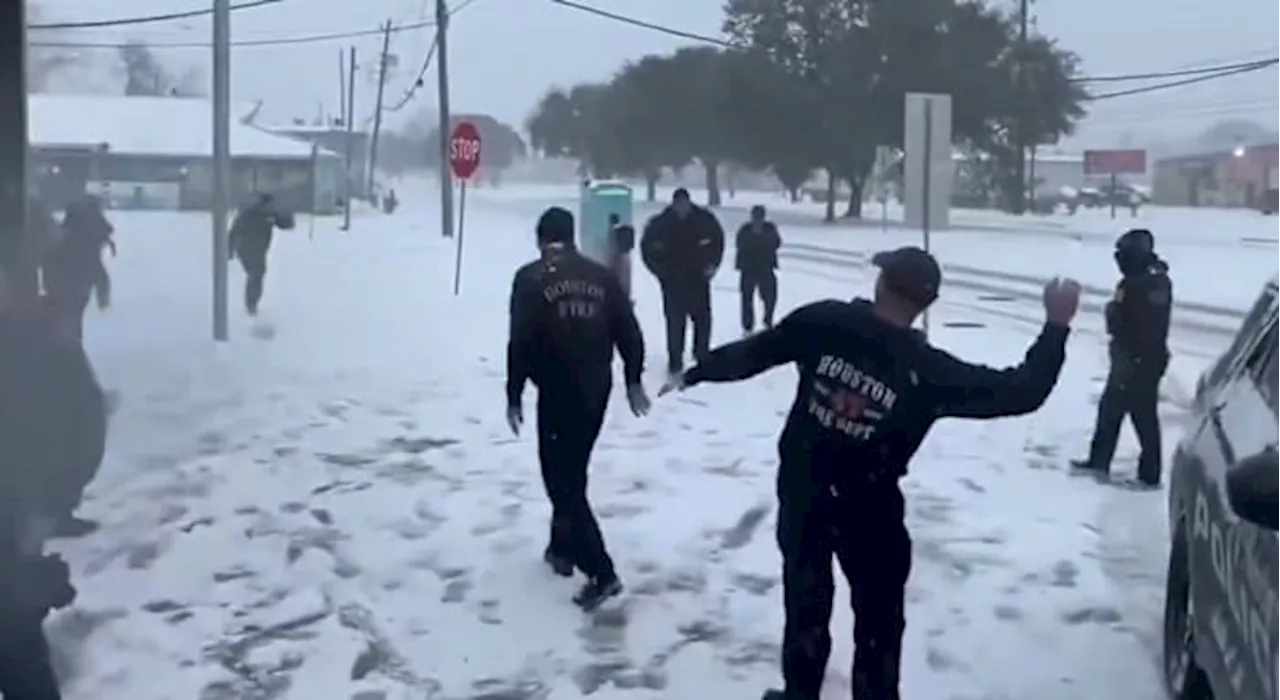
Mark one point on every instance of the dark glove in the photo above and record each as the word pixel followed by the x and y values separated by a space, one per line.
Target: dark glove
pixel 53 576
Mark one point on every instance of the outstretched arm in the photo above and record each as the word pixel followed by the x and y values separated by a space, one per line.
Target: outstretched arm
pixel 965 390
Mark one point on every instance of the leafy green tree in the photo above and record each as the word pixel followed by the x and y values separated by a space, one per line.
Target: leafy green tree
pixel 769 120
pixel 572 124
pixel 828 48
pixel 639 118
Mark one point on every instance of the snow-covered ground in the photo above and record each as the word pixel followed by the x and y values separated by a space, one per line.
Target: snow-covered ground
pixel 340 511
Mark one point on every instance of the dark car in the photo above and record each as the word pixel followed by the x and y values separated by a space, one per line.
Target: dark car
pixel 1220 604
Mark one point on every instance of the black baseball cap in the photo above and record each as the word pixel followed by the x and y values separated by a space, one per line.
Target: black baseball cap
pixel 910 272
pixel 555 226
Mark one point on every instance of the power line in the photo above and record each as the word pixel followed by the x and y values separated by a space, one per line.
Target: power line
pixel 670 31
pixel 420 79
pixel 279 41
pixel 1208 73
pixel 1263 63
pixel 146 19
pixel 1250 68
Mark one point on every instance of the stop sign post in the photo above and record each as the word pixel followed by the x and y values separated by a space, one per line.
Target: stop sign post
pixel 464 160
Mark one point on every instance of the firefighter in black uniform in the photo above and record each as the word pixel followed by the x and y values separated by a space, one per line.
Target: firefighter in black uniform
pixel 869 389
pixel 568 313
pixel 1138 323
pixel 757 261
pixel 683 246
pixel 250 240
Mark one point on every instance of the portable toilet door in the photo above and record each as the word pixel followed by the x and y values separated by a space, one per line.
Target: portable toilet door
pixel 600 201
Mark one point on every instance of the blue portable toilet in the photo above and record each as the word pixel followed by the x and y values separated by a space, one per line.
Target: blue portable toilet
pixel 600 199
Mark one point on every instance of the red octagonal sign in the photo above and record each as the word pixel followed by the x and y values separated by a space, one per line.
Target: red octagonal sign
pixel 464 150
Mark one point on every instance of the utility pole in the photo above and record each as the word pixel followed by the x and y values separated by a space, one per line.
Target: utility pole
pixel 377 110
pixel 342 87
pixel 442 72
pixel 18 265
pixel 1023 103
pixel 350 188
pixel 221 200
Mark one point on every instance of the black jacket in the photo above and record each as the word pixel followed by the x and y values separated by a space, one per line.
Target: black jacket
pixel 681 250
pixel 757 251
pixel 869 391
pixel 568 313
pixel 53 416
pixel 250 236
pixel 1138 316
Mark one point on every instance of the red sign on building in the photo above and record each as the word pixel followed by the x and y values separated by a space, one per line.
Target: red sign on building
pixel 1115 162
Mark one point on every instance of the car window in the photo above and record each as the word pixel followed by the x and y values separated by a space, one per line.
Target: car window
pixel 1262 312
pixel 1262 366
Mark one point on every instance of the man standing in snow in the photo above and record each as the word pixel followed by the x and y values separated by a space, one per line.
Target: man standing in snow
pixel 568 313
pixel 869 389
pixel 73 270
pixel 1138 323
pixel 756 258
pixel 250 239
pixel 683 247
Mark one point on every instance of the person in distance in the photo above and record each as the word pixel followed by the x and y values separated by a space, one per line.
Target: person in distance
pixel 870 387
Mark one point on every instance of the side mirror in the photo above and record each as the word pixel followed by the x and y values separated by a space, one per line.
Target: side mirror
pixel 1252 488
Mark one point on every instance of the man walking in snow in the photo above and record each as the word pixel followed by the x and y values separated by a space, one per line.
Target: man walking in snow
pixel 756 258
pixel 73 270
pixel 568 314
pixel 869 389
pixel 683 247
pixel 250 240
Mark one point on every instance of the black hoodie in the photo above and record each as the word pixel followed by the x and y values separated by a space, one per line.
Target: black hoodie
pixel 869 390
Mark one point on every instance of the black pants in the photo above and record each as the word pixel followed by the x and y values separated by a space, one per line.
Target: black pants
pixel 765 282
pixel 1133 390
pixel 872 545
pixel 682 302
pixel 26 670
pixel 255 272
pixel 570 414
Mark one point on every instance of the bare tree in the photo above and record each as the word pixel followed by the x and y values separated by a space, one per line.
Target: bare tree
pixel 43 63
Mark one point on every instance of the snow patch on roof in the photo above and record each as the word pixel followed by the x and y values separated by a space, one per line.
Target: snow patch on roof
pixel 153 126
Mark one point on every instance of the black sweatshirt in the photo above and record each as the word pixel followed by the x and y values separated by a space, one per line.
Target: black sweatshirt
pixel 568 313
pixel 869 390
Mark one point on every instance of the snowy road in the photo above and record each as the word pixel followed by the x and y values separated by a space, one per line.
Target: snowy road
pixel 340 512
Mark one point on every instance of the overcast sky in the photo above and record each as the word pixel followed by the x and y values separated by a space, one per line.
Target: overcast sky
pixel 505 53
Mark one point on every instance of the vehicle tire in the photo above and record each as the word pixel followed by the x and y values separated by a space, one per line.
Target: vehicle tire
pixel 1182 674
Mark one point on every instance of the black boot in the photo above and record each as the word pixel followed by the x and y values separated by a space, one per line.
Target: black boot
pixel 597 591
pixel 562 566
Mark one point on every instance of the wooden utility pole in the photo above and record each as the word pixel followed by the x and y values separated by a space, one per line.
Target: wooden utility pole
pixel 446 119
pixel 350 188
pixel 1023 101
pixel 383 61
pixel 15 247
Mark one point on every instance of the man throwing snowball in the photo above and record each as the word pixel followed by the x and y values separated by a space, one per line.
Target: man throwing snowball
pixel 870 388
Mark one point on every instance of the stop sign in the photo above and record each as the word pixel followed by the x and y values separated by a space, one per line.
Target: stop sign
pixel 464 150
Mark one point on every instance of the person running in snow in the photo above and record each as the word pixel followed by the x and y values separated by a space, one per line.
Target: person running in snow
pixel 870 387
pixel 568 314
pixel 73 269
pixel 250 240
